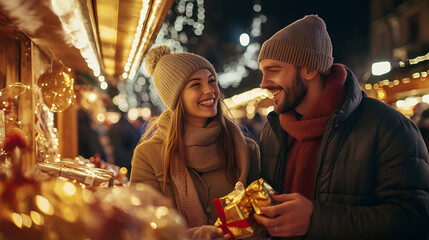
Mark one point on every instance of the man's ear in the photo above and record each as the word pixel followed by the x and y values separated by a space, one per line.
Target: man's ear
pixel 307 73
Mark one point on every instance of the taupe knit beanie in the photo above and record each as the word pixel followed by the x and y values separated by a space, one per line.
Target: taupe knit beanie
pixel 304 43
pixel 171 71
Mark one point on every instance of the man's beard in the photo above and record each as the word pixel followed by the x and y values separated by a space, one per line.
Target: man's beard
pixel 293 96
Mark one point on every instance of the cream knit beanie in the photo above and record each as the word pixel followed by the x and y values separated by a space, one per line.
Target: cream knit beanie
pixel 171 71
pixel 304 43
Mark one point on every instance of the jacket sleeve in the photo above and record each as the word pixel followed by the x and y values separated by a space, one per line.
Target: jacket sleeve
pixel 142 171
pixel 255 161
pixel 400 208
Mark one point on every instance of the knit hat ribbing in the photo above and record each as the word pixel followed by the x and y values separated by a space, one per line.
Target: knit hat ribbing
pixel 304 43
pixel 171 71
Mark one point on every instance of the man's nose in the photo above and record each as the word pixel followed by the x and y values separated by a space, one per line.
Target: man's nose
pixel 264 82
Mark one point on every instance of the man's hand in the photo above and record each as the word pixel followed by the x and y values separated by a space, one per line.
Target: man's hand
pixel 291 217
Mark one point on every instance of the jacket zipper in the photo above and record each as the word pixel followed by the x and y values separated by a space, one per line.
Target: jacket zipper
pixel 280 161
pixel 322 157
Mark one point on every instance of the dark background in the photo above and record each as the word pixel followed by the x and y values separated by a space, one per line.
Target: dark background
pixel 347 23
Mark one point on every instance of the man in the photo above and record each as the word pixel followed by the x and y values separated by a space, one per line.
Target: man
pixel 345 166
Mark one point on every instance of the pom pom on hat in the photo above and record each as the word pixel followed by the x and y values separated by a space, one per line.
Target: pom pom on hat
pixel 153 57
pixel 171 71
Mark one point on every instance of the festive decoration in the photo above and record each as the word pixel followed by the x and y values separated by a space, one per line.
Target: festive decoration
pixel 90 176
pixel 13 90
pixel 243 99
pixel 12 140
pixel 59 209
pixel 259 192
pixel 381 86
pixel 93 172
pixel 183 27
pixel 57 90
pixel 41 207
pixel 236 209
pixel 12 148
pixel 46 136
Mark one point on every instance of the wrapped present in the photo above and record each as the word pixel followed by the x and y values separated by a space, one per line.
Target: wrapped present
pixel 259 193
pixel 90 176
pixel 236 209
pixel 235 213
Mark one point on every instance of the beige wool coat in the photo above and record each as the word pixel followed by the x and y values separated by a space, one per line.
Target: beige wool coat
pixel 148 168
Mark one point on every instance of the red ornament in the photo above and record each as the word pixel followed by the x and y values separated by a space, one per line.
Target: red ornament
pixel 13 140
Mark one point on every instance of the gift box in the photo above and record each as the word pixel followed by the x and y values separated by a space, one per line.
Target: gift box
pixel 90 176
pixel 236 209
pixel 259 193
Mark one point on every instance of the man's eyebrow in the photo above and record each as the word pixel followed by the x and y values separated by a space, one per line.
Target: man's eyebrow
pixel 270 67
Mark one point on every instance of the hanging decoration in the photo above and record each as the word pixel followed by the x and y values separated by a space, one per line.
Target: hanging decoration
pixel 57 90
pixel 9 124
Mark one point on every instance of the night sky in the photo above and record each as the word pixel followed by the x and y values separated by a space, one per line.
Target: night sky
pixel 347 23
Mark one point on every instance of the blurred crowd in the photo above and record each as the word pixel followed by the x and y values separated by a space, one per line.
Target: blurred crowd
pixel 114 143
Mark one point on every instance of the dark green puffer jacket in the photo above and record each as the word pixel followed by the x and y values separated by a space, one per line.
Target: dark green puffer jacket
pixel 372 171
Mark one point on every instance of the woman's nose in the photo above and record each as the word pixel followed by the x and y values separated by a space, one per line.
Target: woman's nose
pixel 208 89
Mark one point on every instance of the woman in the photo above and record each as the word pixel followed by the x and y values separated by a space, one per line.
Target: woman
pixel 194 153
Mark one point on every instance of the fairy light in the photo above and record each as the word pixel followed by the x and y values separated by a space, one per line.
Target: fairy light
pixel 143 16
pixel 37 218
pixel 77 30
pixel 17 219
pixel 136 64
pixel 255 95
pixel 44 205
pixel 393 83
pixel 419 59
pixel 235 72
pixel 103 85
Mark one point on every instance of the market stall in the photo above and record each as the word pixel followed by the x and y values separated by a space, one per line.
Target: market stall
pixel 47 191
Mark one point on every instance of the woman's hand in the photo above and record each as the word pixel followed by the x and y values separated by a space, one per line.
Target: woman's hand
pixel 206 232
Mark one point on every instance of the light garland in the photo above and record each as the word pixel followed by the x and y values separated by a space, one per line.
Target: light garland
pixel 143 15
pixel 392 83
pixel 235 72
pixel 255 95
pixel 419 59
pixel 380 86
pixel 139 87
pixel 78 31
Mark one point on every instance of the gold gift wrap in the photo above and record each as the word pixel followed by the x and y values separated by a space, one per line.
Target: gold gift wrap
pixel 90 176
pixel 238 211
pixel 259 192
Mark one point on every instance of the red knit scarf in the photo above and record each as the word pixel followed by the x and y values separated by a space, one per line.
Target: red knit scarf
pixel 307 134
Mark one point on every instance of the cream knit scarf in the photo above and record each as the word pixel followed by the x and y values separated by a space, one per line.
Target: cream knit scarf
pixel 203 155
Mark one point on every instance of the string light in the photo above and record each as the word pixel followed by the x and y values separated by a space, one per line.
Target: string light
pixel 255 95
pixel 379 86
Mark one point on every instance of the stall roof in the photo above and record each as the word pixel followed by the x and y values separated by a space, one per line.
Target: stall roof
pixel 107 37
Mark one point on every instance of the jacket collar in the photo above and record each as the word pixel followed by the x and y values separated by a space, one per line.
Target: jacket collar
pixel 352 99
